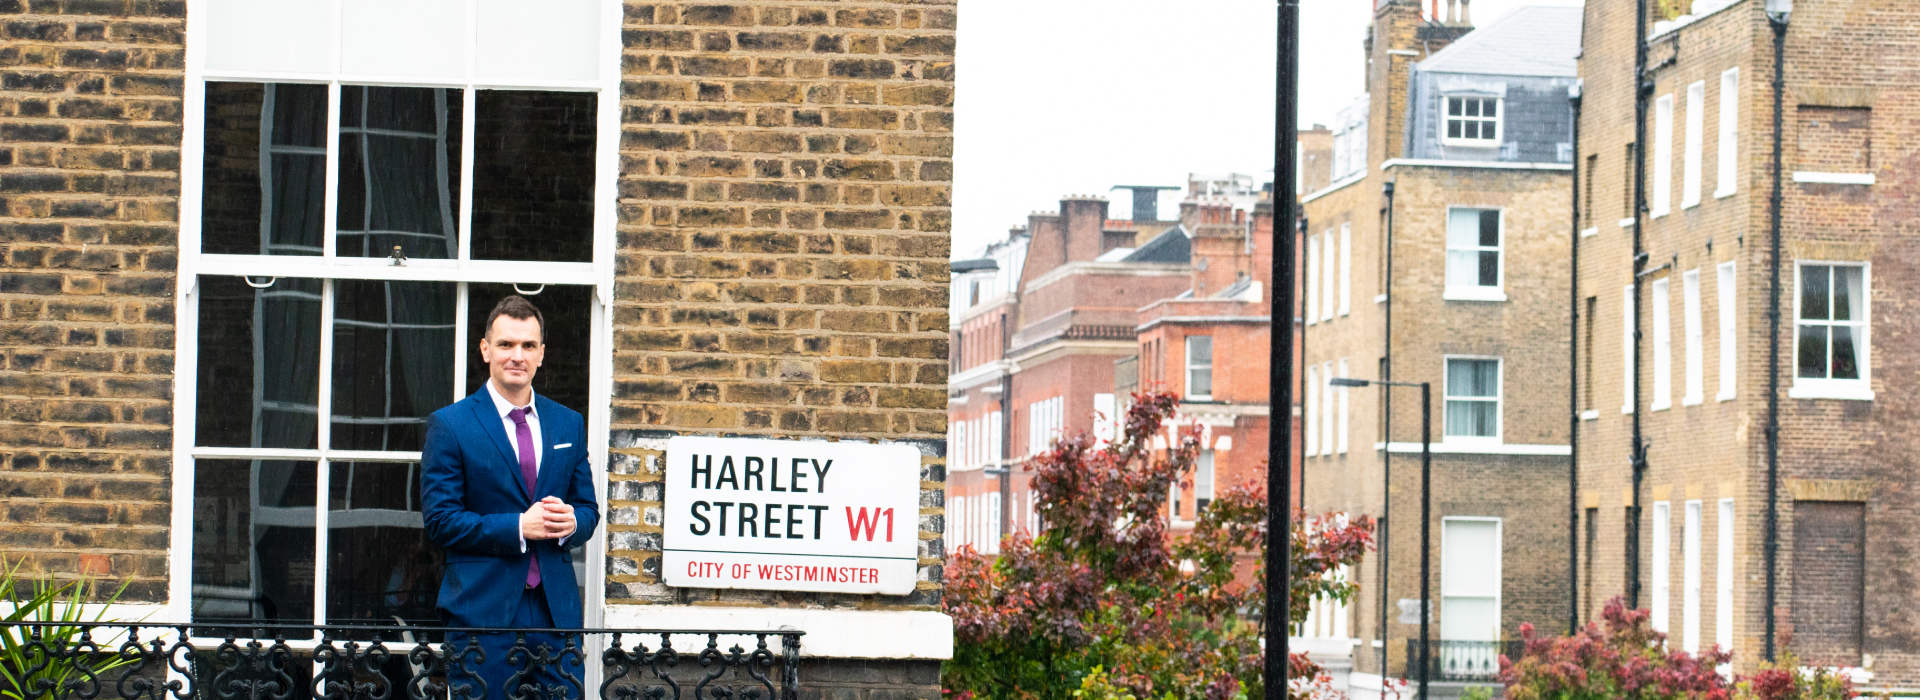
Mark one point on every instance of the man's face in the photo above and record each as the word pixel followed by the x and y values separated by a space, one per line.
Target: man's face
pixel 512 351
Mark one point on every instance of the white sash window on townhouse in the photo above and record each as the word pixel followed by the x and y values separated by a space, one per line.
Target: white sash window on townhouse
pixel 362 181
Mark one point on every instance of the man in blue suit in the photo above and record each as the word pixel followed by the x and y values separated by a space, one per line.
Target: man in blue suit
pixel 508 493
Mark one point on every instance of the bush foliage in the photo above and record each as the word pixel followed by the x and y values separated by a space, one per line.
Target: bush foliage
pixel 1105 604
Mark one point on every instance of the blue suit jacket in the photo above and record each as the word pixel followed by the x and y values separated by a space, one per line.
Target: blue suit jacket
pixel 473 495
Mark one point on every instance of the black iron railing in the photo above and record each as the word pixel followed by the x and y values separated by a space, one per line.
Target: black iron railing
pixel 146 661
pixel 1463 661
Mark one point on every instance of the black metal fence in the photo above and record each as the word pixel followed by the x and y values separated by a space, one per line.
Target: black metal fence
pixel 139 661
pixel 1463 661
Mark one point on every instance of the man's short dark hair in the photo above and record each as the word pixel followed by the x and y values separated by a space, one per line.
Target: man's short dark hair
pixel 516 307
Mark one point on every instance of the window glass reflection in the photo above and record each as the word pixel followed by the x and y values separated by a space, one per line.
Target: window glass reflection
pixel 253 540
pixel 259 363
pixel 533 175
pixel 380 564
pixel 392 361
pixel 399 171
pixel 264 169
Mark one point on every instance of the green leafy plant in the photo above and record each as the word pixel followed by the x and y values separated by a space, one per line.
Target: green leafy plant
pixel 38 659
pixel 1107 604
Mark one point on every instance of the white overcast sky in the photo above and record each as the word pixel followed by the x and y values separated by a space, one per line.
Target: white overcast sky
pixel 1061 97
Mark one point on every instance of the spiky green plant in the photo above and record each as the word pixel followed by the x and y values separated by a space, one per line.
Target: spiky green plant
pixel 56 663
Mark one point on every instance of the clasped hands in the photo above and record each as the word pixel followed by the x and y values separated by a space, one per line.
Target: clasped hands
pixel 550 518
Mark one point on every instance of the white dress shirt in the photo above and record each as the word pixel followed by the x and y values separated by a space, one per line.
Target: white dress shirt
pixel 504 406
pixel 501 404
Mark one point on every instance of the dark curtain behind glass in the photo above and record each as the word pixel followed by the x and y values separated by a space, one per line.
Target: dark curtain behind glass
pixel 533 175
pixel 380 564
pixel 239 214
pixel 392 361
pixel 259 364
pixel 399 171
pixel 253 556
pixel 568 310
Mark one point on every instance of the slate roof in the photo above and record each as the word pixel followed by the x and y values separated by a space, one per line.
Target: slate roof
pixel 1530 41
pixel 1171 246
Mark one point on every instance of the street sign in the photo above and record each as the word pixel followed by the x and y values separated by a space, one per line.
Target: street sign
pixel 784 515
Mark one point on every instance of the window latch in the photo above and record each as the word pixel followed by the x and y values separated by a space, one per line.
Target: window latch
pixel 398 257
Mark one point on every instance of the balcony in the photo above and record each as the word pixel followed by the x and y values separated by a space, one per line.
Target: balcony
pixel 1470 662
pixel 141 661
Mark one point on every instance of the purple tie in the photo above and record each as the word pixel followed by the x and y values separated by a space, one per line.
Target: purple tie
pixel 523 439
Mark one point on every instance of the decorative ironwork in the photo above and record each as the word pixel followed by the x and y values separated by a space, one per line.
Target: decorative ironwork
pixel 146 661
pixel 1455 661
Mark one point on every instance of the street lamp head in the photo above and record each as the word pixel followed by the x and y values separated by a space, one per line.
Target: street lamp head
pixel 1349 382
pixel 1779 10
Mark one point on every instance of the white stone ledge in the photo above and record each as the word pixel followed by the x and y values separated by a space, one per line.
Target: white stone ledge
pixel 843 634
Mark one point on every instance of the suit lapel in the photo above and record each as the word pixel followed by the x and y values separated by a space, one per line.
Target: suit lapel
pixel 490 423
pixel 549 431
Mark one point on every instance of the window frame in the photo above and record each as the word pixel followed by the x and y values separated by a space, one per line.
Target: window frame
pixel 1662 311
pixel 1840 389
pixel 1475 292
pixel 1499 120
pixel 1727 180
pixel 1499 401
pixel 330 268
pixel 1660 194
pixel 1694 150
pixel 1726 312
pixel 1186 347
pixel 1499 567
pixel 1694 335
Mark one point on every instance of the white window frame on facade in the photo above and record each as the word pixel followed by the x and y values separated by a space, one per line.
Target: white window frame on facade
pixel 1312 279
pixel 993 523
pixel 1310 425
pixel 1694 336
pixel 1662 601
pixel 1661 201
pixel 1723 577
pixel 1690 578
pixel 1340 397
pixel 1499 402
pixel 1448 118
pixel 1846 389
pixel 1203 480
pixel 1329 266
pixel 309 43
pixel 1451 587
pixel 1662 345
pixel 1728 181
pixel 1626 349
pixel 1729 342
pixel 1346 268
pixel 1326 408
pixel 1477 292
pixel 1695 147
pixel 1193 366
pixel 1106 425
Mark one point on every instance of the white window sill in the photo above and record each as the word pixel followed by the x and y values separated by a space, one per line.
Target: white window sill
pixel 1723 194
pixel 1660 406
pixel 1470 143
pixel 1477 447
pixel 1844 392
pixel 1833 178
pixel 1689 205
pixel 1723 397
pixel 1692 401
pixel 1474 294
pixel 1589 232
pixel 1590 414
pixel 1199 397
pixel 1660 214
pixel 1379 298
pixel 1626 222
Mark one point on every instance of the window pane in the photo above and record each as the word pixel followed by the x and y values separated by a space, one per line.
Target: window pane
pixel 253 540
pixel 1453 106
pixel 1847 293
pixel 1200 382
pixel 1845 361
pixel 259 364
pixel 392 361
pixel 1490 109
pixel 1200 350
pixel 1453 128
pixel 1813 292
pixel 1463 268
pixel 1473 129
pixel 1813 352
pixel 380 564
pixel 1473 108
pixel 1489 269
pixel 563 372
pixel 1490 228
pixel 533 175
pixel 1476 378
pixel 1463 228
pixel 238 215
pixel 399 171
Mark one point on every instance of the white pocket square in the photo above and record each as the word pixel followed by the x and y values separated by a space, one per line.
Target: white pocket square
pixel 563 446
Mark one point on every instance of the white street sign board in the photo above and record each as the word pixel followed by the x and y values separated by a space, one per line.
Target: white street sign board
pixel 784 515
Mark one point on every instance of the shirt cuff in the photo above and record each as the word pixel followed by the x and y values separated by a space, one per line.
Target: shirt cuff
pixel 523 542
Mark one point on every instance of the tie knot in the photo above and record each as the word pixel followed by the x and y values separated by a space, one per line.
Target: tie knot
pixel 519 415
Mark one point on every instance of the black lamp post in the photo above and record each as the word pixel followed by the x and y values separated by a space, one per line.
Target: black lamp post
pixel 1426 516
pixel 1286 84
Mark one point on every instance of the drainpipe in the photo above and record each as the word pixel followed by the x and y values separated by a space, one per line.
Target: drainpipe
pixel 1573 384
pixel 1778 14
pixel 1300 229
pixel 1637 452
pixel 1386 438
pixel 1006 432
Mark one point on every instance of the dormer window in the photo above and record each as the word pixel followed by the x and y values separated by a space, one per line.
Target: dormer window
pixel 1473 121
